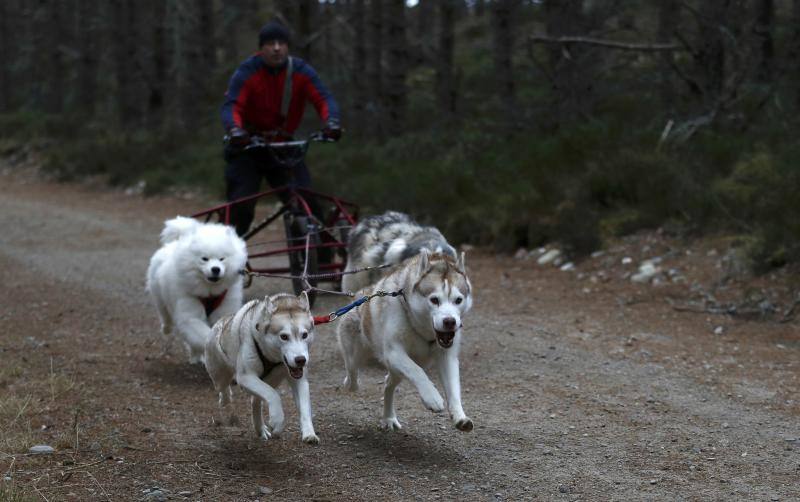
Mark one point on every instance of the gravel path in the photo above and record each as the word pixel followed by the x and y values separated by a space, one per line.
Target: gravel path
pixel 605 394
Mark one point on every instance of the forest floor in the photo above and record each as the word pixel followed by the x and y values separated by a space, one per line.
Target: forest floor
pixel 582 384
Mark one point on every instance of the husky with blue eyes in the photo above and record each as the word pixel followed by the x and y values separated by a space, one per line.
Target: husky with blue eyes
pixel 419 329
pixel 263 344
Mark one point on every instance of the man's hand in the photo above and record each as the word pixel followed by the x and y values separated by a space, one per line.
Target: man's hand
pixel 332 131
pixel 238 136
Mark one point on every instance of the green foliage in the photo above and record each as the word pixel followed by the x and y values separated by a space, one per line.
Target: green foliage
pixel 542 174
pixel 760 196
pixel 578 186
pixel 161 160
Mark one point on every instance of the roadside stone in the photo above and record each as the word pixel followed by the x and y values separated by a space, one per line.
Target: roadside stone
pixel 567 267
pixel 646 272
pixel 549 257
pixel 521 254
pixel 719 330
pixel 156 494
pixel 264 490
pixel 41 449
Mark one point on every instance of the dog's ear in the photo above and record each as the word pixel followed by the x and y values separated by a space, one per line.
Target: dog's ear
pixel 424 261
pixel 461 262
pixel 269 307
pixel 304 303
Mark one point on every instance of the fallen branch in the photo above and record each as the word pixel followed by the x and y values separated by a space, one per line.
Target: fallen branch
pixel 609 44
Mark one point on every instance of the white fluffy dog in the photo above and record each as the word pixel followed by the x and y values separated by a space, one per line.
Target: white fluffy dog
pixel 194 279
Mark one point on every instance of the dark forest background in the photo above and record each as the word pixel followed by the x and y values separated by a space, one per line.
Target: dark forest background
pixel 504 122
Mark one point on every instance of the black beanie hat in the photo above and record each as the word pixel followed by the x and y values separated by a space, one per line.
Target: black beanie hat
pixel 273 30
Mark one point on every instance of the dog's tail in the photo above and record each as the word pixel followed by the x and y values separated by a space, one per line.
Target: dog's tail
pixel 178 227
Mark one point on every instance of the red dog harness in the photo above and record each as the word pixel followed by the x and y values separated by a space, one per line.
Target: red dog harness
pixel 211 303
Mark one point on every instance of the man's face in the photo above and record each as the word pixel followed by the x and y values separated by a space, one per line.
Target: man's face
pixel 275 52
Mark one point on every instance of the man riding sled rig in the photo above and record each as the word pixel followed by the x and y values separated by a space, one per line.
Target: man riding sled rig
pixel 267 96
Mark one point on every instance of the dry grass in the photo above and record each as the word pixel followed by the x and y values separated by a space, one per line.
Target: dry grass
pixel 21 404
pixel 9 492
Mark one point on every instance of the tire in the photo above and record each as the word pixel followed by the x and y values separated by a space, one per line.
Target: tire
pixel 297 227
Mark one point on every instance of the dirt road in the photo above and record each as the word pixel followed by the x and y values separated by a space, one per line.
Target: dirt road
pixel 582 385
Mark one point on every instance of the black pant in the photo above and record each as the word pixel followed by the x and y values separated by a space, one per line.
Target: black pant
pixel 243 175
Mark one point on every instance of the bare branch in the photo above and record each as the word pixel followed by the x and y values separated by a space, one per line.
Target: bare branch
pixel 610 44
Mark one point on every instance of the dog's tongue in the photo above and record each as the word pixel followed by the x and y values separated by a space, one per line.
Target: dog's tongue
pixel 296 373
pixel 445 338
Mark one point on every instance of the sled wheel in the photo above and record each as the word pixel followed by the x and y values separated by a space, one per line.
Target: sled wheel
pixel 297 227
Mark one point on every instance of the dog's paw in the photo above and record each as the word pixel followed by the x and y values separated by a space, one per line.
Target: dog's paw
pixel 196 358
pixel 390 424
pixel 311 439
pixel 350 384
pixel 433 401
pixel 265 435
pixel 276 426
pixel 464 425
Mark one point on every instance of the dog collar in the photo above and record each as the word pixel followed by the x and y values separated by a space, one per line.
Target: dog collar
pixel 265 363
pixel 212 303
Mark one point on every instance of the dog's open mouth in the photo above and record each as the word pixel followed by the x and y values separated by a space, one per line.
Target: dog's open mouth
pixel 213 278
pixel 296 373
pixel 445 338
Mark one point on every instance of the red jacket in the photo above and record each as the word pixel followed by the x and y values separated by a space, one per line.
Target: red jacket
pixel 255 94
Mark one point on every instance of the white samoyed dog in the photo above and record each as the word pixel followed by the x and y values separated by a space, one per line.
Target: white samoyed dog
pixel 194 279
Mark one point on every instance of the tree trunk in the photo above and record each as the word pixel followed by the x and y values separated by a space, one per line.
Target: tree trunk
pixel 232 15
pixel 710 61
pixel 425 13
pixel 565 17
pixel 6 11
pixel 56 83
pixel 794 53
pixel 357 77
pixel 765 24
pixel 375 67
pixel 124 40
pixel 158 58
pixel 503 37
pixel 479 8
pixel 446 89
pixel 207 36
pixel 668 14
pixel 88 60
pixel 397 62
pixel 304 27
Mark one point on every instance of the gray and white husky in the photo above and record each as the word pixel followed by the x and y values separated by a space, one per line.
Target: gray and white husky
pixel 259 346
pixel 419 329
pixel 388 238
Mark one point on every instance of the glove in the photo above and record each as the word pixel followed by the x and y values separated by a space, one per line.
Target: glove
pixel 332 131
pixel 238 136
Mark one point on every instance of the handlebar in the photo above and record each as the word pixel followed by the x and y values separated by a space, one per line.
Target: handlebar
pixel 287 153
pixel 259 141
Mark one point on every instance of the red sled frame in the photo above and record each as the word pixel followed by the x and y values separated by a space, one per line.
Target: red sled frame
pixel 341 215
